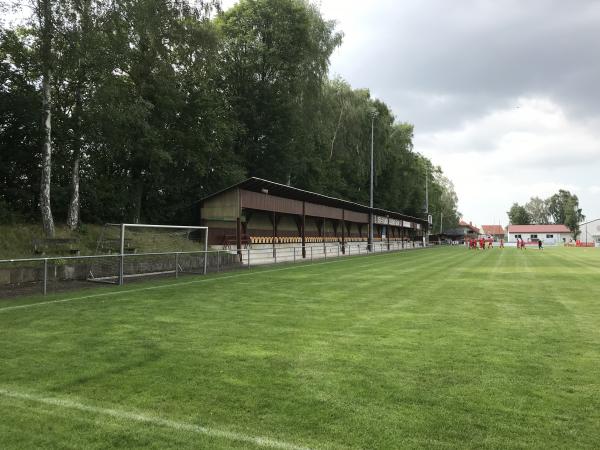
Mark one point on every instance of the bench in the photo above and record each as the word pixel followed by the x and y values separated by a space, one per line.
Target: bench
pixel 110 245
pixel 41 246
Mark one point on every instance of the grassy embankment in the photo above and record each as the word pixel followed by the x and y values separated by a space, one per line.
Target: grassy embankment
pixel 17 241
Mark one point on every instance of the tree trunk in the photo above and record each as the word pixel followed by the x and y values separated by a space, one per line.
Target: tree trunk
pixel 46 24
pixel 138 197
pixel 74 205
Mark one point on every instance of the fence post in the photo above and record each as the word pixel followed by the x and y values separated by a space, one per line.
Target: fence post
pixel 294 249
pixel 338 250
pixel 248 250
pixel 121 269
pixel 176 265
pixel 218 260
pixel 45 275
pixel 311 253
pixel 275 254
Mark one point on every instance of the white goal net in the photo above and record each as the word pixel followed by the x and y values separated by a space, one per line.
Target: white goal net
pixel 142 250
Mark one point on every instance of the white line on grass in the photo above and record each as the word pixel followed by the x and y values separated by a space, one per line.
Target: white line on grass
pixel 184 283
pixel 261 441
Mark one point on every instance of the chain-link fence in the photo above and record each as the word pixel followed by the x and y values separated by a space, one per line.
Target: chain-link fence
pixel 21 277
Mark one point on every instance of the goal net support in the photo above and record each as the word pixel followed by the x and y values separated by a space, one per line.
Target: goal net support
pixel 141 250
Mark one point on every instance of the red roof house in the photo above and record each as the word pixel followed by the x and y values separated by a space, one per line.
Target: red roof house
pixel 549 234
pixel 493 230
pixel 468 226
pixel 552 228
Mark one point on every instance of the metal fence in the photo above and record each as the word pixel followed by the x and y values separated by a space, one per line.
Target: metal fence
pixel 31 276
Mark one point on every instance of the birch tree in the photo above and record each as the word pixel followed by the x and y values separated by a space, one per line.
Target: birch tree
pixel 46 24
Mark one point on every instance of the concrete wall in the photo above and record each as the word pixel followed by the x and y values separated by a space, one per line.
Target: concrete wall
pixel 557 238
pixel 33 272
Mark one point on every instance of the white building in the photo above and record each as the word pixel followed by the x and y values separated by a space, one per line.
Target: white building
pixel 590 232
pixel 548 234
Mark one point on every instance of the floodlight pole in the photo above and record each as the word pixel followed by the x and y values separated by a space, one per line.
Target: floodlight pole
pixel 374 114
pixel 426 235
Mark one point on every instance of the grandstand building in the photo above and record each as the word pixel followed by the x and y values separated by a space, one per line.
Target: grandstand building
pixel 257 211
pixel 548 234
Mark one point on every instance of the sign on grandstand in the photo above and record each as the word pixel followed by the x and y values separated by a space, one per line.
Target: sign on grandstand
pixel 382 220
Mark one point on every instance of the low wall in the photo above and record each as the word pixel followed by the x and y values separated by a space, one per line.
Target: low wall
pixel 79 270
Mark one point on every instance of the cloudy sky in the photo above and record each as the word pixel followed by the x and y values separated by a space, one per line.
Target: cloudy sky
pixel 504 94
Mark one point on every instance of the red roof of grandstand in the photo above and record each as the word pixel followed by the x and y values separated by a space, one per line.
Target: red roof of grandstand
pixel 538 229
pixel 493 229
pixel 462 223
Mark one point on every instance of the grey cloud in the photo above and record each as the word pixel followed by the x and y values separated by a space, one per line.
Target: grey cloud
pixel 480 54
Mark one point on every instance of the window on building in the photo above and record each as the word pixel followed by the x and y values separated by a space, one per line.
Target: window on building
pixel 517 236
pixel 534 236
pixel 549 236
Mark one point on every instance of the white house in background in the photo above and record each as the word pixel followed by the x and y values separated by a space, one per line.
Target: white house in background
pixel 548 234
pixel 590 232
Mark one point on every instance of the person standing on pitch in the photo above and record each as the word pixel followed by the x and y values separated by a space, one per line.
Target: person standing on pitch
pixel 540 245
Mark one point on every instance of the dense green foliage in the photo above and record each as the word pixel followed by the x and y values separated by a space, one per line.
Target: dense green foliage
pixel 561 208
pixel 564 208
pixel 157 103
pixel 364 352
pixel 518 215
pixel 538 211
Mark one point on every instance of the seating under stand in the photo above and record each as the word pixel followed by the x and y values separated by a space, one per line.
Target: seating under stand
pixel 298 240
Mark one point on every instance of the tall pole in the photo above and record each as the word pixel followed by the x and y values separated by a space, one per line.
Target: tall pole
pixel 426 234
pixel 427 191
pixel 373 115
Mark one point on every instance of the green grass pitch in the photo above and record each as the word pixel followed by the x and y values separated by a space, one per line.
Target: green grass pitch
pixel 438 348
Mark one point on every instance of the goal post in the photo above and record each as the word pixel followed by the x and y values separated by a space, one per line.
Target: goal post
pixel 141 250
pixel 124 227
